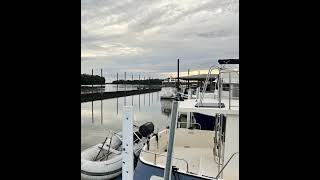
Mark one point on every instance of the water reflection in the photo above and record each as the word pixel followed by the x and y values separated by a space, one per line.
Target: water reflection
pixel 139 102
pixel 100 116
pixel 101 111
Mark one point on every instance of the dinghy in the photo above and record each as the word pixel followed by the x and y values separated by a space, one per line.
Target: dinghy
pixel 104 160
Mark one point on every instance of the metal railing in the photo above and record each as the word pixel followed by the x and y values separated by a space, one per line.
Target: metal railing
pixel 230 89
pixel 221 171
pixel 157 154
pixel 219 141
pixel 206 82
pixel 219 86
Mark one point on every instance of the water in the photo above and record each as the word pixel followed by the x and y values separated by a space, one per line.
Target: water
pixel 147 108
pixel 113 87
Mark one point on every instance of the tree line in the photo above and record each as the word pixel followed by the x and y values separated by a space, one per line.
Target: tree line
pixel 87 79
pixel 142 82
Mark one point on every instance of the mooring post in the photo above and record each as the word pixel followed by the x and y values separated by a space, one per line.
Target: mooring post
pixel 101 99
pixel 125 88
pixel 178 82
pixel 139 90
pixel 188 79
pixel 92 81
pixel 117 82
pixel 92 93
pixel 149 90
pixel 168 168
pixel 127 143
pixel 101 79
pixel 132 87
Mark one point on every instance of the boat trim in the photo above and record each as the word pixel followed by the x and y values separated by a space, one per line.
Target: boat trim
pixel 100 174
pixel 188 174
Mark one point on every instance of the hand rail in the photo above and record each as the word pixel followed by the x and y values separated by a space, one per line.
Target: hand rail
pixel 157 154
pixel 206 82
pixel 226 164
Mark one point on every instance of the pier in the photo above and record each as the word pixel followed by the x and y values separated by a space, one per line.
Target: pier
pixel 115 94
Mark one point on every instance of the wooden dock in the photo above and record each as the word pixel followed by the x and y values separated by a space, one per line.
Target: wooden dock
pixel 115 94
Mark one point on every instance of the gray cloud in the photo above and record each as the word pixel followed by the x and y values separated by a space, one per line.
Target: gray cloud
pixel 147 36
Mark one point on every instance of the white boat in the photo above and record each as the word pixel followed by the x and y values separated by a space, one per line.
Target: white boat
pixel 104 160
pixel 169 82
pixel 105 163
pixel 168 93
pixel 198 154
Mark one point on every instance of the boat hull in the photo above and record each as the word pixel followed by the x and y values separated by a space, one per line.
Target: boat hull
pixel 144 171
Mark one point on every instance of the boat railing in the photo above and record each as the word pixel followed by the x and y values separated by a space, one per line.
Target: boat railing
pixel 179 124
pixel 221 171
pixel 157 154
pixel 231 89
pixel 219 86
pixel 206 83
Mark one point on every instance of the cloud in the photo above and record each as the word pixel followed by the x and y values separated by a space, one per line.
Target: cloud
pixel 147 36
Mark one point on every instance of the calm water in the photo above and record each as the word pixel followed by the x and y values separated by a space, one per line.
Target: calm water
pixel 147 108
pixel 113 87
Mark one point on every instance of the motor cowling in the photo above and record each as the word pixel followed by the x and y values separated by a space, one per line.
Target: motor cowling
pixel 146 129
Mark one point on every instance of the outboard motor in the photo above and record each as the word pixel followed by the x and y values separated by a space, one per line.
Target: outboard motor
pixel 146 129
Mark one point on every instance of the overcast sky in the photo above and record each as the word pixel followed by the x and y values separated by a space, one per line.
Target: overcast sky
pixel 147 37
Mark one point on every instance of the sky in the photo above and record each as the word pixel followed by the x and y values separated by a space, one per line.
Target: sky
pixel 146 37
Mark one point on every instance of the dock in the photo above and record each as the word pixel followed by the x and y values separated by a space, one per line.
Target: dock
pixel 115 94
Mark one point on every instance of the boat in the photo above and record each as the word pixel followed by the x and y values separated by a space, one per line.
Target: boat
pixel 104 160
pixel 197 154
pixel 168 93
pixel 169 82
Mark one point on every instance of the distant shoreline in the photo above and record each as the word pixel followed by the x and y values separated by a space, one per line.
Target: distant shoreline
pixel 115 94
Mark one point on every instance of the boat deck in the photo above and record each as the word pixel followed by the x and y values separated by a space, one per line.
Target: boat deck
pixel 190 106
pixel 192 150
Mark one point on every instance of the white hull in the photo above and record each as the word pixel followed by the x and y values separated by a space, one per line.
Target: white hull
pixel 104 169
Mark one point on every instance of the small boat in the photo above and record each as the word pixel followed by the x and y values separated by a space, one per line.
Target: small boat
pixel 168 93
pixel 104 160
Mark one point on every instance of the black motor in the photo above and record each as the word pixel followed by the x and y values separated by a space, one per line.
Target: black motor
pixel 146 129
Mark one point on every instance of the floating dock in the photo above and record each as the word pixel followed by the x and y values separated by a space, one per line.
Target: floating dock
pixel 115 94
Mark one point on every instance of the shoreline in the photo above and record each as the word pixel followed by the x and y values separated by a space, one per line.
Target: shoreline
pixel 114 94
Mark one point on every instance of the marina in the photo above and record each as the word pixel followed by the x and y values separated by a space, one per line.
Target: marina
pixel 160 90
pixel 198 147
